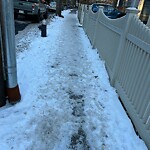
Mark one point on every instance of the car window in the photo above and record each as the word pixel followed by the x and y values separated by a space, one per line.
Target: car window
pixel 105 8
pixel 110 9
pixel 95 5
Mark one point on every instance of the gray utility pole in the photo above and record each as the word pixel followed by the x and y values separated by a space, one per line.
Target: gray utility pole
pixel 2 85
pixel 9 51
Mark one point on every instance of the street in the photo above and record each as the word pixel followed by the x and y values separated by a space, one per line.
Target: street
pixel 22 22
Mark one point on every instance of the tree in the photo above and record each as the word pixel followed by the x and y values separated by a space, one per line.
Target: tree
pixel 48 1
pixel 59 8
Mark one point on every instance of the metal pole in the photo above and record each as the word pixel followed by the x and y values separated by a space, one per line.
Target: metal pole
pixel 8 41
pixel 2 85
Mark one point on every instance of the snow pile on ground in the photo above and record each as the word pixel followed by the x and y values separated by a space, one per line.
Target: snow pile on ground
pixel 67 101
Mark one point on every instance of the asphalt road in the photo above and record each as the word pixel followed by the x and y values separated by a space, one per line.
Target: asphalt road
pixel 19 26
pixel 21 22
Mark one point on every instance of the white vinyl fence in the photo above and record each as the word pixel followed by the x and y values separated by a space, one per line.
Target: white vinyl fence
pixel 124 45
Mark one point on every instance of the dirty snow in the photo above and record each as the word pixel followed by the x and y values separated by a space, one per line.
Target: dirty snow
pixel 67 101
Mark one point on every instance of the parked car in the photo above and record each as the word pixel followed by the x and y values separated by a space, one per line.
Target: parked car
pixel 36 8
pixel 109 10
pixel 52 6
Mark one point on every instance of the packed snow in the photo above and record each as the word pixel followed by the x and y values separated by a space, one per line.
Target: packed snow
pixel 67 101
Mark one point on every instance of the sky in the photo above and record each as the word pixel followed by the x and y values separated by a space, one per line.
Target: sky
pixel 67 102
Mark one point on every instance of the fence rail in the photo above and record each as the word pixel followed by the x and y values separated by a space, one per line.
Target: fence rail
pixel 124 45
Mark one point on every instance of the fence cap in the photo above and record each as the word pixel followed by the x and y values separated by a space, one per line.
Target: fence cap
pixel 132 10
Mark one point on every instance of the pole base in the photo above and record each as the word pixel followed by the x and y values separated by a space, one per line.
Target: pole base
pixel 2 95
pixel 13 95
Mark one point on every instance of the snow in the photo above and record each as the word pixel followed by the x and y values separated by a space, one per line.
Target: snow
pixel 67 100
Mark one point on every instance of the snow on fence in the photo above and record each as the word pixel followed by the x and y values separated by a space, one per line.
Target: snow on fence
pixel 124 45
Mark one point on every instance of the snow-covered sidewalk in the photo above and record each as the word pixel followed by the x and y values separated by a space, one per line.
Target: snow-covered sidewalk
pixel 67 101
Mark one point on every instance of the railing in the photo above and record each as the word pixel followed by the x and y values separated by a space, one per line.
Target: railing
pixel 124 45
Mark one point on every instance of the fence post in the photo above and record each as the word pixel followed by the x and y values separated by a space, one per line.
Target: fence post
pixel 85 19
pixel 82 14
pixel 131 11
pixel 9 51
pixel 79 12
pixel 96 26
